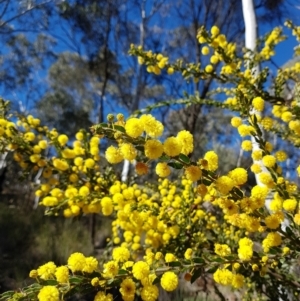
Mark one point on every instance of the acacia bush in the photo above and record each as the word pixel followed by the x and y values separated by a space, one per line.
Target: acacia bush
pixel 203 223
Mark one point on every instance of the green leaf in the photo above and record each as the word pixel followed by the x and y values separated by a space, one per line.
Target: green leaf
pixel 75 280
pixel 230 257
pixel 184 158
pixel 122 272
pixel 72 292
pixel 174 264
pixel 238 192
pixel 6 295
pixel 274 250
pixel 175 165
pixel 289 231
pixel 206 182
pixel 218 259
pixel 211 270
pixel 196 275
pixel 156 280
pixel 50 282
pixel 164 158
pixel 198 260
pixel 119 128
pixel 140 148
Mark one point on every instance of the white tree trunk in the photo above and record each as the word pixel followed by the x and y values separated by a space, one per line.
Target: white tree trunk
pixel 250 43
pixel 126 165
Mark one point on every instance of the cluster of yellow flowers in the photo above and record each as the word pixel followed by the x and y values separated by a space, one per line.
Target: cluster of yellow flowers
pixel 71 178
pixel 202 223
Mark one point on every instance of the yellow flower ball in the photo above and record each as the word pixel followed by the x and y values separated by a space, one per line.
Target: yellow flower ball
pixel 215 31
pixel 107 206
pixel 153 149
pixel 287 116
pixel 89 163
pixel 214 59
pixel 272 221
pixel 84 191
pixel 140 270
pixel 209 69
pixel 247 145
pixel 169 281
pixel 205 50
pixel 239 176
pixel 128 151
pixel 62 139
pixel 162 170
pixel 47 270
pixel 102 296
pixel 76 262
pixel 113 155
pixel 281 156
pixel 267 123
pixel 187 141
pixel 193 173
pixel 111 269
pixel 127 289
pixel 222 249
pixel 188 254
pixel 223 276
pixel 258 103
pixel 269 161
pixel 150 292
pixel 237 280
pixel 60 164
pixel 134 127
pixel 256 155
pixel 121 254
pixel 152 127
pixel 212 160
pixel 49 293
pixel 289 204
pixel 297 219
pixel 91 264
pixel 245 130
pixel 79 136
pixel 172 146
pixel 62 274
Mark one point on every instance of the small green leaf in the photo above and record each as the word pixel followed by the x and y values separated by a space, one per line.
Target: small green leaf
pixel 174 264
pixel 50 282
pixel 196 275
pixel 156 280
pixel 184 158
pixel 122 272
pixel 175 165
pixel 6 294
pixel 218 259
pixel 119 128
pixel 164 158
pixel 289 231
pixel 238 192
pixel 211 270
pixel 140 148
pixel 75 280
pixel 206 182
pixel 198 260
